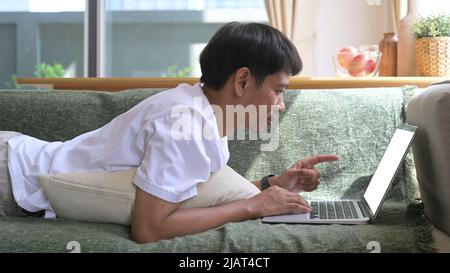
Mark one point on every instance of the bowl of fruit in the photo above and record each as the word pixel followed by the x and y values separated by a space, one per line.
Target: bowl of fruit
pixel 354 62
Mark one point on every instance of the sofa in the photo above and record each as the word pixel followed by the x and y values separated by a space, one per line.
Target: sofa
pixel 355 123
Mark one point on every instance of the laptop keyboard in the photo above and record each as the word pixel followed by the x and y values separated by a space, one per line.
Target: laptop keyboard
pixel 333 210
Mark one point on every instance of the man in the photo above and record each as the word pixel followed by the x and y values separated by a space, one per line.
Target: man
pixel 243 64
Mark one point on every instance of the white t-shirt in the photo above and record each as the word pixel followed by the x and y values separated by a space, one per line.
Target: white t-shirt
pixel 171 137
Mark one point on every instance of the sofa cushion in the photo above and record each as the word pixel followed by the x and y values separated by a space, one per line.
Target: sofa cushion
pixel 109 197
pixel 394 230
pixel 63 115
pixel 355 124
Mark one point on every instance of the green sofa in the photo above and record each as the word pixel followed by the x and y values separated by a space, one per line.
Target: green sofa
pixel 353 123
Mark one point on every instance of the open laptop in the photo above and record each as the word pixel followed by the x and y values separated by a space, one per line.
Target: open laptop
pixel 359 211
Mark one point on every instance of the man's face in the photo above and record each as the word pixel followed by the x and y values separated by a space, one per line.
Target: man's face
pixel 267 98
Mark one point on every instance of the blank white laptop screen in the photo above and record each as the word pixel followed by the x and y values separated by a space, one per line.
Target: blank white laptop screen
pixel 387 168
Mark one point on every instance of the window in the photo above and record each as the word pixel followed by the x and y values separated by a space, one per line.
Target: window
pixel 142 38
pixel 430 7
pixel 154 38
pixel 133 38
pixel 34 32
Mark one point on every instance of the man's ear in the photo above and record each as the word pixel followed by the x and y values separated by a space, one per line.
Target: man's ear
pixel 241 82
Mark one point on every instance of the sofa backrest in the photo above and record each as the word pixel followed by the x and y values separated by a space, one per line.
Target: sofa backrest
pixel 356 124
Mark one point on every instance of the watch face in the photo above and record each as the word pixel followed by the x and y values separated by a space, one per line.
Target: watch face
pixel 265 182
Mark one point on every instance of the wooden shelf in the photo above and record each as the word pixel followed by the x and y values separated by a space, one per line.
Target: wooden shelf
pixel 117 84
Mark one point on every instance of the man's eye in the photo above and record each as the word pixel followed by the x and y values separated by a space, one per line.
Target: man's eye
pixel 279 91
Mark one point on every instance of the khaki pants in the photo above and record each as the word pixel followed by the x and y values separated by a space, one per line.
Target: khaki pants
pixel 8 205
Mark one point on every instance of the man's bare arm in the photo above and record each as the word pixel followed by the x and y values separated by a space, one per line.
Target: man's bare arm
pixel 155 219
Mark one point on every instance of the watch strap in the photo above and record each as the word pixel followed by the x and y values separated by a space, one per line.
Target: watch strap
pixel 265 182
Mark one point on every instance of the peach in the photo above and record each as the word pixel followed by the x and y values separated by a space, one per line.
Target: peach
pixel 358 65
pixel 370 67
pixel 346 55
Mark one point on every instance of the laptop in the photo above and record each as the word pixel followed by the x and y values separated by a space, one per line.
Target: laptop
pixel 362 211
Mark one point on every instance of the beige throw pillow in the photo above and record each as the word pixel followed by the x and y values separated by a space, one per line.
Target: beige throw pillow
pixel 109 197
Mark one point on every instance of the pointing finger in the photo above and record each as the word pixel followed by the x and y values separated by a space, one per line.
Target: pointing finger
pixel 311 161
pixel 306 173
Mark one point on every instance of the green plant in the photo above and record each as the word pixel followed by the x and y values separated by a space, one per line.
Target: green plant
pixel 173 71
pixel 432 26
pixel 12 83
pixel 44 70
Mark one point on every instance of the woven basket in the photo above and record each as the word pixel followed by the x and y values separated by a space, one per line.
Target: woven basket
pixel 433 56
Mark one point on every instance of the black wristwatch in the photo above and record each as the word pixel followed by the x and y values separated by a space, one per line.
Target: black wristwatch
pixel 265 182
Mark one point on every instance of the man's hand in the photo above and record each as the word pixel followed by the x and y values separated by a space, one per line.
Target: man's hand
pixel 276 200
pixel 303 176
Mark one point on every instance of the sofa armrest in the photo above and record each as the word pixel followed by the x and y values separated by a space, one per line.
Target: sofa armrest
pixel 429 110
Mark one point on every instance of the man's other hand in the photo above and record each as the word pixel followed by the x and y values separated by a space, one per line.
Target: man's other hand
pixel 302 175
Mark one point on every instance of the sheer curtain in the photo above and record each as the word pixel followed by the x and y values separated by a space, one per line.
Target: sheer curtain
pixel 283 15
pixel 398 10
pixel 296 19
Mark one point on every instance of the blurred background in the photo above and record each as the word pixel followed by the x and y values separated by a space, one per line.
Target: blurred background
pixel 163 38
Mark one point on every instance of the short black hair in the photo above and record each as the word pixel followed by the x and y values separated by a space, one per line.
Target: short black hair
pixel 261 48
